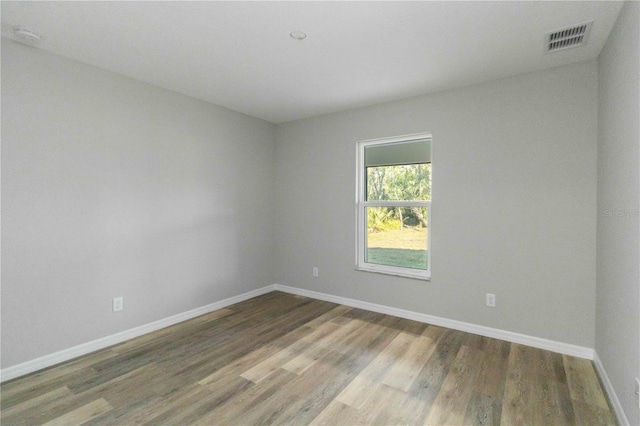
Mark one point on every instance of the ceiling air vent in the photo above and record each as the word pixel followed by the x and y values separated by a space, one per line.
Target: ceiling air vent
pixel 569 37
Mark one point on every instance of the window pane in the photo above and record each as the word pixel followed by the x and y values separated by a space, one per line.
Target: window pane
pixel 397 236
pixel 399 183
pixel 396 153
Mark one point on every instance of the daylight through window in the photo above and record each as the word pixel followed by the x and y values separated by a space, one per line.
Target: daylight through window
pixel 394 206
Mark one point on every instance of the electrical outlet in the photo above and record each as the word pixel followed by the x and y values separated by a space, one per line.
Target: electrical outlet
pixel 118 304
pixel 315 271
pixel 491 300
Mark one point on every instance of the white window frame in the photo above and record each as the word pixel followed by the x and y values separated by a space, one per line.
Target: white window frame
pixel 361 217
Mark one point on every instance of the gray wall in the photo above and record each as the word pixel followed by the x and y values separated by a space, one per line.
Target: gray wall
pixel 514 203
pixel 618 247
pixel 112 187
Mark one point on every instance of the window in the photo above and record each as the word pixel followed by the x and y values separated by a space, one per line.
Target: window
pixel 394 206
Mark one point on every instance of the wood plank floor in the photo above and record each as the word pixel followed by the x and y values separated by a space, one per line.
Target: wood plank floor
pixel 284 359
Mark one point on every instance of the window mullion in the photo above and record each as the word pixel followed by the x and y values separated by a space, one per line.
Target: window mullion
pixel 396 203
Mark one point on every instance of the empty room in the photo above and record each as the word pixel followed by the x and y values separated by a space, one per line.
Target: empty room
pixel 328 213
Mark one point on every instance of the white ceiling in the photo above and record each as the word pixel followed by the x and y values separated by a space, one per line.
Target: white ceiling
pixel 239 54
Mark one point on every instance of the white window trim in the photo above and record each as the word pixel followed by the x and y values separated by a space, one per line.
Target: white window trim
pixel 361 205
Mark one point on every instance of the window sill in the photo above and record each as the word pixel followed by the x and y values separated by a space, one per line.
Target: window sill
pixel 384 271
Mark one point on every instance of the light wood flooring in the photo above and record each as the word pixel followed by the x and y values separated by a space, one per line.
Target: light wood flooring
pixel 284 359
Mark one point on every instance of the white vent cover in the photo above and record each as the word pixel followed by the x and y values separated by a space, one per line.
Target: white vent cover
pixel 568 37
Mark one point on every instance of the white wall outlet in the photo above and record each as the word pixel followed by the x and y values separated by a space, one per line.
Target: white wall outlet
pixel 315 271
pixel 118 304
pixel 491 300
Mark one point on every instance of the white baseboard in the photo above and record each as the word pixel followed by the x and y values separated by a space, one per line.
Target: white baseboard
pixel 85 348
pixel 509 336
pixel 611 393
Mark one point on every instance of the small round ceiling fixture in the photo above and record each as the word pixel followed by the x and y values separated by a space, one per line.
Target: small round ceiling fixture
pixel 298 35
pixel 26 36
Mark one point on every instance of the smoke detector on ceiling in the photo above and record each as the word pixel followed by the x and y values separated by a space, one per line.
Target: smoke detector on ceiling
pixel 298 35
pixel 568 37
pixel 26 36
